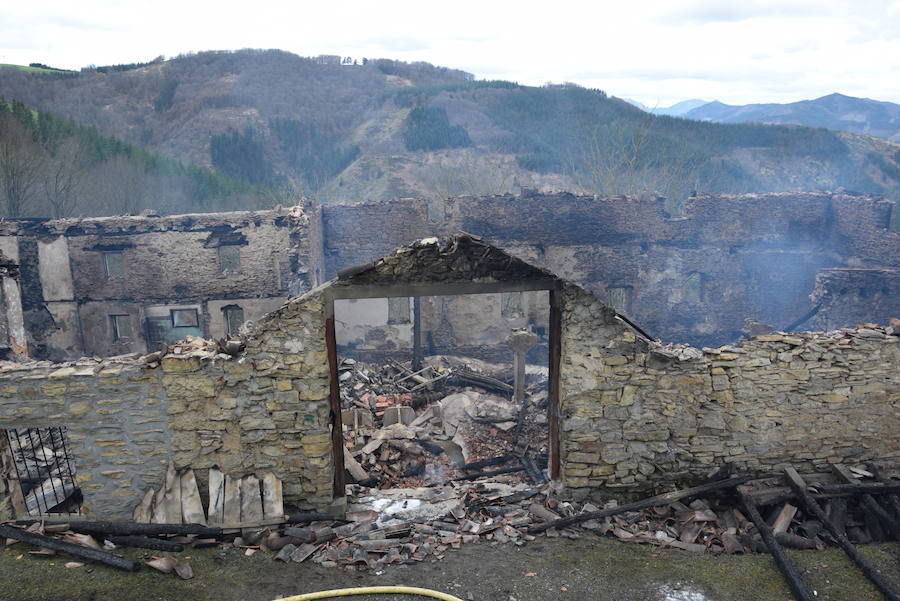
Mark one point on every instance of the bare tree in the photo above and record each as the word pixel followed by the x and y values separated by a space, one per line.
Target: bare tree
pixel 620 158
pixel 21 164
pixel 63 176
pixel 123 186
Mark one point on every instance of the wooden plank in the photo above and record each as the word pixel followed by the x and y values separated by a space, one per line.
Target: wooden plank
pixel 172 498
pixel 216 510
pixel 273 503
pixel 191 504
pixel 251 501
pixel 799 486
pixel 158 514
pixel 785 516
pixel 142 513
pixel 232 514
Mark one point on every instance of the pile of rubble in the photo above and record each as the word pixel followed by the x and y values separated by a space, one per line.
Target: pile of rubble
pixel 448 421
pixel 407 526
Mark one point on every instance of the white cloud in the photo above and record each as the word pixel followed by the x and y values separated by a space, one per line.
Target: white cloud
pixel 656 51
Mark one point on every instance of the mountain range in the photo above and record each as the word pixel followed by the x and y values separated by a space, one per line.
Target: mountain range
pixel 382 129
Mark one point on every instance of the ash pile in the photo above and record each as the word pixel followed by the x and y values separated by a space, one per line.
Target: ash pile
pixel 452 420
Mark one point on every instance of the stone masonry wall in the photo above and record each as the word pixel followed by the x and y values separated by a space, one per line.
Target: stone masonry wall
pixel 266 410
pixel 636 415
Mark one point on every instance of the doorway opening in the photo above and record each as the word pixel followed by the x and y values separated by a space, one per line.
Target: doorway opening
pixel 442 388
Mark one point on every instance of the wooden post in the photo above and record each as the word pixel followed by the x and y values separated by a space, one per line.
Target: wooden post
pixel 553 394
pixel 798 587
pixel 799 486
pixel 334 386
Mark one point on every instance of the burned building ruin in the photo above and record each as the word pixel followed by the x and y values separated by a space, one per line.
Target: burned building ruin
pixel 113 285
pixel 624 413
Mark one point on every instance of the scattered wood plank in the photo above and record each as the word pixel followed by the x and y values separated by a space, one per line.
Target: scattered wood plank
pixel 273 503
pixel 172 498
pixel 360 475
pixel 232 502
pixel 795 582
pixel 784 518
pixel 797 483
pixel 143 512
pixel 46 542
pixel 251 501
pixel 191 504
pixel 216 510
pixel 663 499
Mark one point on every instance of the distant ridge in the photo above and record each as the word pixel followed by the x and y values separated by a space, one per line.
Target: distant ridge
pixel 834 111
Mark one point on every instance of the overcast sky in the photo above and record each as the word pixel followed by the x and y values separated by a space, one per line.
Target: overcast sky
pixel 655 51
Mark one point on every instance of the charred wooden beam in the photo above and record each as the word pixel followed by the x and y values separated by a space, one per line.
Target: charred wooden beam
pixel 893 500
pixel 87 553
pixel 142 542
pixel 129 528
pixel 887 521
pixel 663 499
pixel 797 483
pixel 305 518
pixel 860 489
pixel 795 582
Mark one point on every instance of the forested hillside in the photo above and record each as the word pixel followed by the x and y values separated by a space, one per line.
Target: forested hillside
pixel 218 129
pixel 51 166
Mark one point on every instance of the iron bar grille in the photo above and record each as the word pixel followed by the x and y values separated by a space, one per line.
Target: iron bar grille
pixel 44 470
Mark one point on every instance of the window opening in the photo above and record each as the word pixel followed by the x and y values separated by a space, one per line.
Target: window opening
pixel 157 328
pixel 398 310
pixel 619 298
pixel 113 263
pixel 229 258
pixel 511 305
pixel 121 327
pixel 234 319
pixel 692 291
pixel 44 470
pixel 185 318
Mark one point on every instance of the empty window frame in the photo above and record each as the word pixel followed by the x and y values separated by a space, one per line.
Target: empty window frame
pixel 511 305
pixel 113 263
pixel 398 310
pixel 157 327
pixel 185 318
pixel 619 298
pixel 229 258
pixel 234 318
pixel 43 470
pixel 692 289
pixel 121 327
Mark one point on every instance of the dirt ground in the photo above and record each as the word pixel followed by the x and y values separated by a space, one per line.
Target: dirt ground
pixel 589 569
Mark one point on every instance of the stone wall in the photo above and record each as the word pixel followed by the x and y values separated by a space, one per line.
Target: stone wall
pixel 79 273
pixel 693 276
pixel 635 415
pixel 266 410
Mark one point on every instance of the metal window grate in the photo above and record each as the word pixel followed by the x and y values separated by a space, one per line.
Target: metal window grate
pixel 44 470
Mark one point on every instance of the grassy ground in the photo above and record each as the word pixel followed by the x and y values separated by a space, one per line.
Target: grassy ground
pixel 588 569
pixel 34 69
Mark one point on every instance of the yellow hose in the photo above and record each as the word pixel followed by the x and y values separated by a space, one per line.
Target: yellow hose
pixel 373 590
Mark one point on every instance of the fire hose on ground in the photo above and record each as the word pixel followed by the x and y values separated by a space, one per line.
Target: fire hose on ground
pixel 373 590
